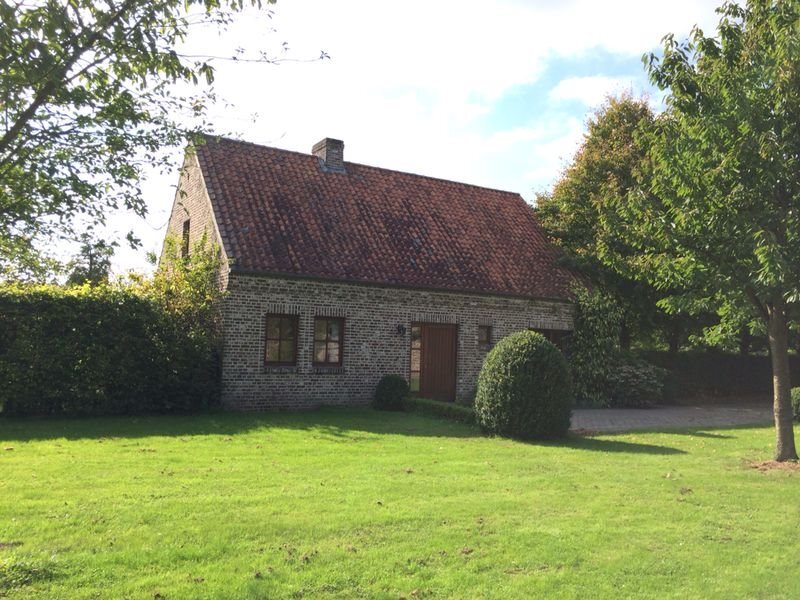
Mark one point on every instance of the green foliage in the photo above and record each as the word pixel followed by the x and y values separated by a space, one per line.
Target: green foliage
pixel 581 216
pixel 524 389
pixel 390 394
pixel 104 349
pixel 91 94
pixel 720 221
pixel 93 263
pixel 635 383
pixel 603 375
pixel 796 403
pixel 446 410
pixel 594 345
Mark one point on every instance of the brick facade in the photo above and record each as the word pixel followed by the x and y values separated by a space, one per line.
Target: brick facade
pixel 193 204
pixel 372 345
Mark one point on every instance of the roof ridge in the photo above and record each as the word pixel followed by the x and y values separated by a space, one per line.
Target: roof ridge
pixel 307 155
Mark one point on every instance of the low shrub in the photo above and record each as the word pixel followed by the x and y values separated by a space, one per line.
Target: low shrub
pixel 446 410
pixel 635 383
pixel 524 389
pixel 796 403
pixel 392 390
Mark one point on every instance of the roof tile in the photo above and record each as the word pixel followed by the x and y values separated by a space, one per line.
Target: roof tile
pixel 279 212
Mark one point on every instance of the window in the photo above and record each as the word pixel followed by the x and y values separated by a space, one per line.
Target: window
pixel 281 347
pixel 185 239
pixel 484 337
pixel 559 337
pixel 416 358
pixel 328 341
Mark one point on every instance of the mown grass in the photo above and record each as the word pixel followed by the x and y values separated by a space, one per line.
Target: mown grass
pixel 352 503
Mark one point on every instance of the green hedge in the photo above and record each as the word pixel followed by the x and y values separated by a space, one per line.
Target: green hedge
pixel 446 410
pixel 99 351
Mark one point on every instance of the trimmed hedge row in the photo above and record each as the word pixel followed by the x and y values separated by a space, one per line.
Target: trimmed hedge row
pixel 99 351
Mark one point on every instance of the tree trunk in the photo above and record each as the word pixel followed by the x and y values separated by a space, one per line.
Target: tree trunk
pixel 744 341
pixel 675 331
pixel 782 407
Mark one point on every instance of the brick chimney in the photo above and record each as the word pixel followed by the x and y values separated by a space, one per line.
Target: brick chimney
pixel 330 153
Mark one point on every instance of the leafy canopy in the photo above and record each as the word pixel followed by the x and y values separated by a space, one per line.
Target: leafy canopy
pixel 90 94
pixel 721 220
pixel 580 214
pixel 723 223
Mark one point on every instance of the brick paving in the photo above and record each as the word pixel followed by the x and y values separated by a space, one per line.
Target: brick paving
pixel 668 417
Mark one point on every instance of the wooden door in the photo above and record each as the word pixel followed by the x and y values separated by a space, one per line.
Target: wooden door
pixel 438 365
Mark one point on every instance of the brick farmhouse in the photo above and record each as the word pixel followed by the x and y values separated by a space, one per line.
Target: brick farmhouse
pixel 339 273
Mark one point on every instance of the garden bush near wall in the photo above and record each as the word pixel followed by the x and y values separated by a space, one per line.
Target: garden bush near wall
pixel 149 346
pixel 603 375
pixel 524 389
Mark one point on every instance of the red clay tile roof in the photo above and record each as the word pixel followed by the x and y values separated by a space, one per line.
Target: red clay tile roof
pixel 280 213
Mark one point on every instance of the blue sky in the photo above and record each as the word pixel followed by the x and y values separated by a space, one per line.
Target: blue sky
pixel 494 93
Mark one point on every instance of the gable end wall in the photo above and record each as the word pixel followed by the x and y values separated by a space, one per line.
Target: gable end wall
pixel 373 347
pixel 192 202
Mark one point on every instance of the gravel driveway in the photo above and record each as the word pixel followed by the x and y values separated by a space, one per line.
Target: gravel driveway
pixel 668 417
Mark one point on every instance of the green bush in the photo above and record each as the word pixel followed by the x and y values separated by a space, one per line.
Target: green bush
pixel 796 403
pixel 149 345
pixel 392 390
pixel 635 383
pixel 524 389
pixel 602 374
pixel 98 351
pixel 446 410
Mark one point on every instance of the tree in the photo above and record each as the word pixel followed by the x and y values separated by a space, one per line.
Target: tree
pixel 92 265
pixel 87 99
pixel 721 221
pixel 580 214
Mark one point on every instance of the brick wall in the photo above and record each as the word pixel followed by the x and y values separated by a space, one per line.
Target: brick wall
pixel 192 203
pixel 372 345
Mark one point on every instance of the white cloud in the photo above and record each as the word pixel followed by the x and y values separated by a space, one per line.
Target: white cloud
pixel 591 91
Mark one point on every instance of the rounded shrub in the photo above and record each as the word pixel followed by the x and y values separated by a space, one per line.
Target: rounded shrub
pixel 392 390
pixel 524 389
pixel 796 403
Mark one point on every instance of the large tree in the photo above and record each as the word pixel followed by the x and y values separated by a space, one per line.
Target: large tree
pixel 580 212
pixel 722 218
pixel 88 98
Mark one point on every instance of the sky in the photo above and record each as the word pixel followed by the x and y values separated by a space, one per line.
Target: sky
pixel 495 93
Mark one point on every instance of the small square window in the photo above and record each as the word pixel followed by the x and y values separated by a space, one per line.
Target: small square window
pixel 485 336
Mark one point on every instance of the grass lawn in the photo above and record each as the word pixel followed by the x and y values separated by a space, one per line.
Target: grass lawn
pixel 353 503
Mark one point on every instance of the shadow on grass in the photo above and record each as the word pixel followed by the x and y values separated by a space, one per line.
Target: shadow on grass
pixel 328 422
pixel 593 444
pixel 335 424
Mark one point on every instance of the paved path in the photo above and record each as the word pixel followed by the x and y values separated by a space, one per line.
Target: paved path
pixel 668 417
